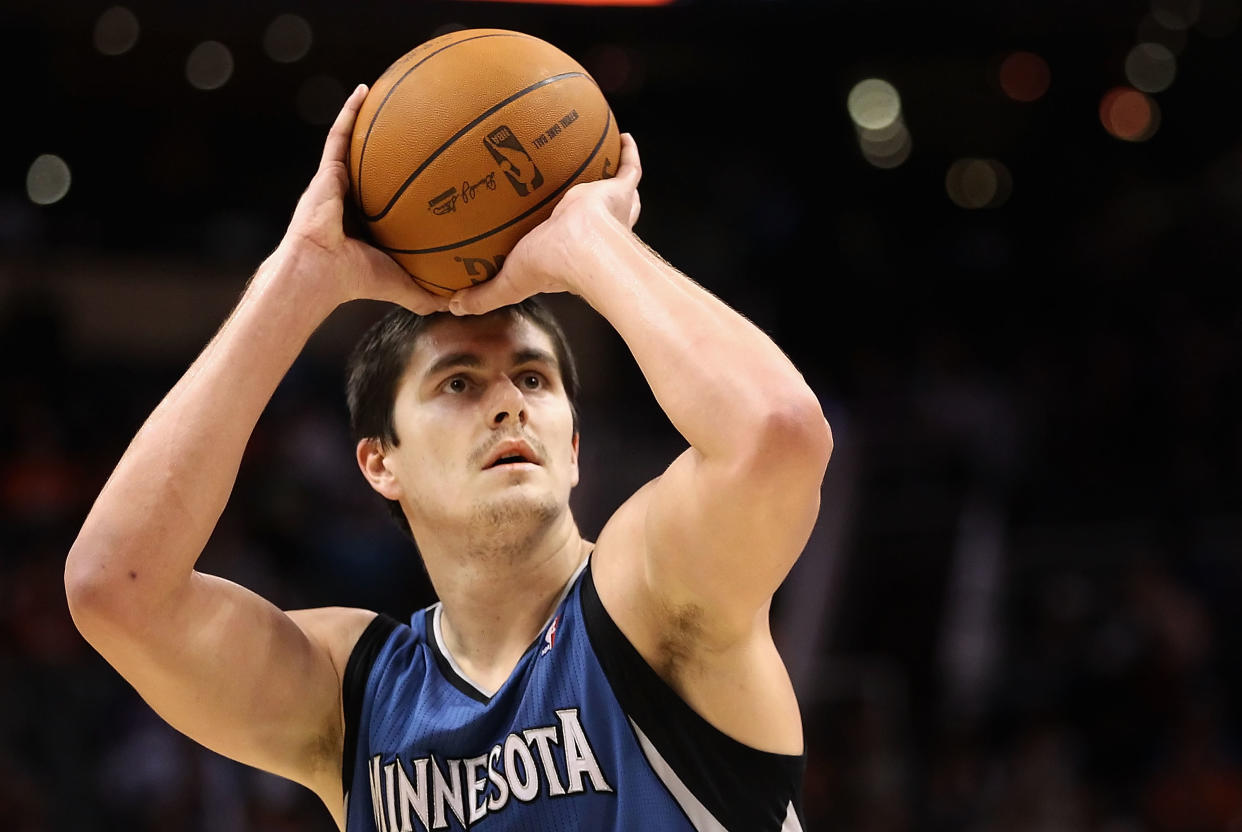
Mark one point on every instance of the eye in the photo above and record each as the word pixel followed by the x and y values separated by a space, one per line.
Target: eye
pixel 457 384
pixel 532 381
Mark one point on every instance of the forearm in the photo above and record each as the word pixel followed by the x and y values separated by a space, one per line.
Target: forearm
pixel 157 510
pixel 721 380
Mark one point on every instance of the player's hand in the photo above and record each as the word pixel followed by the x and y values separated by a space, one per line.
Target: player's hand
pixel 546 258
pixel 345 268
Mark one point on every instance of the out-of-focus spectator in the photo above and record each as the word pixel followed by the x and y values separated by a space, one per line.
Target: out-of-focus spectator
pixel 1197 783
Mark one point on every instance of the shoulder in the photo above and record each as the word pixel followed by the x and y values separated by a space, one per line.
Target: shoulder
pixel 656 620
pixel 619 567
pixel 335 630
pixel 739 685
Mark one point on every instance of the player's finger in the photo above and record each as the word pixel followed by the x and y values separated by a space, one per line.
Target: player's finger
pixel 400 288
pixel 342 129
pixel 419 301
pixel 483 298
pixel 631 166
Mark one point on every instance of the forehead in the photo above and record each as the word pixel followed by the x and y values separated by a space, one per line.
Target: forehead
pixel 499 335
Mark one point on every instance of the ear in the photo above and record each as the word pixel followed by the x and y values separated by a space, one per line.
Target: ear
pixel 370 455
pixel 573 463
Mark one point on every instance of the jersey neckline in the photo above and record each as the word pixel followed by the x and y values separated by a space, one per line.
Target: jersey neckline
pixel 452 670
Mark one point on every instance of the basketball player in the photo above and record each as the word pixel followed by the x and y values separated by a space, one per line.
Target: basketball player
pixel 558 684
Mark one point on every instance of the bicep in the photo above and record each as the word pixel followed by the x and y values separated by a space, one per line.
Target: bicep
pixel 722 534
pixel 233 672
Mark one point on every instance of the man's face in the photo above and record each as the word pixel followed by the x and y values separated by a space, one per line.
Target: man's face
pixel 484 425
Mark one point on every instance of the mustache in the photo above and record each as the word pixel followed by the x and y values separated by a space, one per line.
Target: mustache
pixel 482 453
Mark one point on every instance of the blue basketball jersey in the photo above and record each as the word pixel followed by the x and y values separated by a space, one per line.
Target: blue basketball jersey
pixel 583 735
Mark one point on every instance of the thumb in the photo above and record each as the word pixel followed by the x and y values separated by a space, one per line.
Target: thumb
pixel 486 296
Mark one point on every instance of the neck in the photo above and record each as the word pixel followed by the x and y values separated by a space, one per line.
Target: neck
pixel 498 588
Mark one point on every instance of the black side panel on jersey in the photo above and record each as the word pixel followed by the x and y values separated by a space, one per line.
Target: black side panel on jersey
pixel 354 686
pixel 745 789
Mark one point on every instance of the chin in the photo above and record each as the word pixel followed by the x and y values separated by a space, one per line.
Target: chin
pixel 517 510
pixel 508 526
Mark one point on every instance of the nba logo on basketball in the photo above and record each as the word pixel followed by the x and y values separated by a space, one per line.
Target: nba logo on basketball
pixel 550 638
pixel 513 159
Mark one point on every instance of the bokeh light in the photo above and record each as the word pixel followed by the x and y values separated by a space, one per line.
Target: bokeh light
pixel 288 38
pixel 888 136
pixel 978 183
pixel 209 66
pixel 1151 67
pixel 1151 31
pixel 1176 14
pixel 1129 114
pixel 887 147
pixel 116 31
pixel 874 104
pixel 47 180
pixel 1024 76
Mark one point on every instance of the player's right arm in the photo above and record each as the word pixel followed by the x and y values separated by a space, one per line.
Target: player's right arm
pixel 218 662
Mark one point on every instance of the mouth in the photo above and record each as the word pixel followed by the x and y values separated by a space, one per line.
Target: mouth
pixel 511 453
pixel 510 460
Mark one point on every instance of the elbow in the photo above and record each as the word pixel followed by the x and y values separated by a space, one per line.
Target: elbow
pixel 84 590
pixel 795 432
pixel 93 593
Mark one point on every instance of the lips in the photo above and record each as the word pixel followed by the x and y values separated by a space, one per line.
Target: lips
pixel 511 451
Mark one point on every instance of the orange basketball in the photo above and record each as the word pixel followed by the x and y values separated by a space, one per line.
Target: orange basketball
pixel 469 141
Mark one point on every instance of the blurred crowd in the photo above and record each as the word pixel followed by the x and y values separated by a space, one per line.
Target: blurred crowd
pixel 1020 610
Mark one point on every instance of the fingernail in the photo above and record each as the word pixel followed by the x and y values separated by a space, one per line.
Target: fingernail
pixel 360 88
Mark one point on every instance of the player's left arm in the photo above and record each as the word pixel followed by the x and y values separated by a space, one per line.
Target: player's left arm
pixel 728 519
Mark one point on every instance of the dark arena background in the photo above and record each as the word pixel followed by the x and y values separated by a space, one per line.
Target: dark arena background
pixel 1002 239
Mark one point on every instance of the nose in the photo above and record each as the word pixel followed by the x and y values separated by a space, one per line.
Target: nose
pixel 508 405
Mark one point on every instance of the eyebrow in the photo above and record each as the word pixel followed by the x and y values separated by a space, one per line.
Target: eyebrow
pixel 533 355
pixel 470 359
pixel 453 359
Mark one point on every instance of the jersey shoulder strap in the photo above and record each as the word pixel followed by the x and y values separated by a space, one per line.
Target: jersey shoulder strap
pixel 717 781
pixel 354 686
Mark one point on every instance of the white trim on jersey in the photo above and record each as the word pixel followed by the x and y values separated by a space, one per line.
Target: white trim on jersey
pixel 437 630
pixel 702 819
pixel 438 610
pixel 791 824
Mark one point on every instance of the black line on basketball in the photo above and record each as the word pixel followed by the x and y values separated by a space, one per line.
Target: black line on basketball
pixel 422 280
pixel 397 83
pixel 518 218
pixel 552 79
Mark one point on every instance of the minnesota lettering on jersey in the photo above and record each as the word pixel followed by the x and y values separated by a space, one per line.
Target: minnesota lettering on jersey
pixel 526 766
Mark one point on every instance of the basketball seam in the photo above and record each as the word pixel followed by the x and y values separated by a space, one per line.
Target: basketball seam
pixel 399 81
pixel 463 131
pixel 418 279
pixel 519 217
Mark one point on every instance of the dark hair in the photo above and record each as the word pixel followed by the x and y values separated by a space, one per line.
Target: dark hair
pixel 382 354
